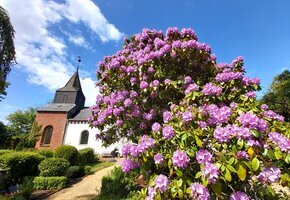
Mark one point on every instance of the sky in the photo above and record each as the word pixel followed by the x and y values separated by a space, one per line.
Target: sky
pixel 50 35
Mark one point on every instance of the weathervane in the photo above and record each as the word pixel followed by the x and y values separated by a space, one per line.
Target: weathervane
pixel 79 60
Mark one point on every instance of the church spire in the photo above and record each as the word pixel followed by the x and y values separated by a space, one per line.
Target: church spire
pixel 72 91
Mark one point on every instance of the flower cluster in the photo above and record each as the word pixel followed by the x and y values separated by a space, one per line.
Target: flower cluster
pixel 203 156
pixel 242 155
pixel 128 165
pixel 199 192
pixel 168 132
pixel 190 88
pixel 272 115
pixel 280 140
pixel 210 89
pixel 269 175
pixel 180 159
pixel 161 182
pixel 228 76
pixel 210 172
pixel 158 158
pixel 156 127
pixel 250 81
pixel 218 115
pixel 187 116
pixel 224 134
pixel 239 196
pixel 251 121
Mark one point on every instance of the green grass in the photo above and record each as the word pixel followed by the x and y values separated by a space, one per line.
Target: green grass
pixel 100 165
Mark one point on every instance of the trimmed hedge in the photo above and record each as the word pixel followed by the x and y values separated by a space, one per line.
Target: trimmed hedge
pixel 5 151
pixel 86 156
pixel 46 153
pixel 49 183
pixel 53 167
pixel 67 152
pixel 21 164
pixel 75 172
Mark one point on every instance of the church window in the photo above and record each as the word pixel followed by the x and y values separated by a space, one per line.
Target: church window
pixel 47 133
pixel 84 137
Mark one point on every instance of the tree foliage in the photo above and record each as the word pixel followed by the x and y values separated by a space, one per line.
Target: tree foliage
pixel 278 96
pixel 21 121
pixel 195 126
pixel 7 50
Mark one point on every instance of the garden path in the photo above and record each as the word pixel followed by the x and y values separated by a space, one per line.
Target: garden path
pixel 86 189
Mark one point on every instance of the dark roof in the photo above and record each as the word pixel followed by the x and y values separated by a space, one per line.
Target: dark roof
pixel 82 115
pixel 60 107
pixel 73 84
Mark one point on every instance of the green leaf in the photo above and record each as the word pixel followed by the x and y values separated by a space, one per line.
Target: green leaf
pixel 179 183
pixel 242 173
pixel 180 193
pixel 217 189
pixel 198 174
pixel 255 164
pixel 278 155
pixel 231 168
pixel 184 137
pixel 228 175
pixel 231 160
pixel 198 141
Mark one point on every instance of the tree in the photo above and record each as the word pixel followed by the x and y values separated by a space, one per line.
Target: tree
pixel 7 50
pixel 195 127
pixel 3 134
pixel 21 121
pixel 278 96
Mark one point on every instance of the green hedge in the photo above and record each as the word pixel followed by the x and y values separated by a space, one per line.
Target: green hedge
pixel 75 172
pixel 49 183
pixel 5 151
pixel 67 152
pixel 86 156
pixel 53 167
pixel 46 153
pixel 21 164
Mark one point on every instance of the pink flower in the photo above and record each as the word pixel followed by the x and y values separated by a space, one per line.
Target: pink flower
pixel 180 159
pixel 161 183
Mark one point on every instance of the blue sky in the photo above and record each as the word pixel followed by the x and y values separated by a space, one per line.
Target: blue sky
pixel 51 34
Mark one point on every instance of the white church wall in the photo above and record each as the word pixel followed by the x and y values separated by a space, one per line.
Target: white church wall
pixel 73 137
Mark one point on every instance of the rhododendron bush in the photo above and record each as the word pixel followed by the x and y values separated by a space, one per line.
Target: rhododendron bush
pixel 195 127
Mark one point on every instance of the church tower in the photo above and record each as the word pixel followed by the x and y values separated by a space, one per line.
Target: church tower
pixel 53 118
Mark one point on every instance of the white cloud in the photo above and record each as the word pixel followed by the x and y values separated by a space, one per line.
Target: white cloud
pixel 44 55
pixel 90 14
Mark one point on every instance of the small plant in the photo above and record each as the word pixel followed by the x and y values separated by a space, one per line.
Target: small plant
pixel 86 156
pixel 75 172
pixel 116 185
pixel 67 152
pixel 88 170
pixel 49 183
pixel 53 167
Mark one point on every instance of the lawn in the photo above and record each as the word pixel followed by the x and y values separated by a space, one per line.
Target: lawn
pixel 100 165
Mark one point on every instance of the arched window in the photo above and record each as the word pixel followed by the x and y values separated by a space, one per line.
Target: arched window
pixel 84 137
pixel 46 137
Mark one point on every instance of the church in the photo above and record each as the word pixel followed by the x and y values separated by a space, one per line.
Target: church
pixel 65 121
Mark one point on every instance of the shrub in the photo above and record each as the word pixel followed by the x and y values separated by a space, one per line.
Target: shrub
pixel 195 124
pixel 75 172
pixel 53 167
pixel 67 152
pixel 5 151
pixel 46 153
pixel 86 156
pixel 21 164
pixel 88 170
pixel 116 185
pixel 49 183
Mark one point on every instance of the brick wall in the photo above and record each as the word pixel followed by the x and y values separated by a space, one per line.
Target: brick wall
pixel 58 121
